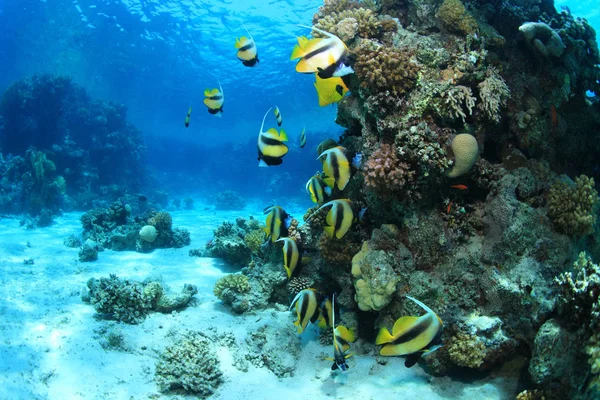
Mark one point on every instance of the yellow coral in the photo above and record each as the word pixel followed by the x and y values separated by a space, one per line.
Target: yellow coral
pixel 466 150
pixel 254 239
pixel 235 282
pixel 455 17
pixel 366 22
pixel 572 208
pixel 466 350
pixel 162 221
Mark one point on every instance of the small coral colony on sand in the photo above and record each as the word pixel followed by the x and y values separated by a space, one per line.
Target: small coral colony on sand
pixel 325 57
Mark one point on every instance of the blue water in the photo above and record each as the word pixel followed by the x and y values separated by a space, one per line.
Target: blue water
pixel 157 57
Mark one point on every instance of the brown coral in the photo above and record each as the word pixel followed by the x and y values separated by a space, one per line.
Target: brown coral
pixel 317 220
pixel 384 172
pixel 293 232
pixel 162 221
pixel 337 252
pixel 385 70
pixel 466 350
pixel 336 23
pixel 298 283
pixel 455 18
pixel 572 208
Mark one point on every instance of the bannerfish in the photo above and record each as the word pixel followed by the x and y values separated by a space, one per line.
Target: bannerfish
pixel 271 148
pixel 324 56
pixel 330 90
pixel 326 145
pixel 214 99
pixel 303 137
pixel 306 308
pixel 412 336
pixel 342 337
pixel 318 188
pixel 336 165
pixel 277 223
pixel 291 255
pixel 278 116
pixel 325 319
pixel 247 52
pixel 187 118
pixel 339 218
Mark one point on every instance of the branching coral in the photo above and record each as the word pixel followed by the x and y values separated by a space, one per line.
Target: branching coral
pixel 456 99
pixel 384 172
pixel 493 92
pixel 335 6
pixel 385 70
pixel 190 364
pixel 236 283
pixel 573 208
pixel 254 239
pixel 466 350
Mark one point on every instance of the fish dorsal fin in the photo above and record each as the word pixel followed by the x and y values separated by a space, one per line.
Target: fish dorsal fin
pixel 282 135
pixel 247 31
pixel 329 35
pixel 402 325
pixel 263 121
pixel 423 306
pixel 221 89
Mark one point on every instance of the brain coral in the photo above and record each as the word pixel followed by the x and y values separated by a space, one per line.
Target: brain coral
pixel 148 233
pixel 466 150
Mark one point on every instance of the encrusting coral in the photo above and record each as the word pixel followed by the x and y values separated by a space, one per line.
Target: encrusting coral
pixel 384 172
pixel 573 208
pixel 190 364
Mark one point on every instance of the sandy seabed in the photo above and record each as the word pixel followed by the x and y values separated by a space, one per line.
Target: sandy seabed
pixel 50 345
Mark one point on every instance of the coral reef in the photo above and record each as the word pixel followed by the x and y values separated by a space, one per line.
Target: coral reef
pixel 573 207
pixel 466 350
pixel 130 302
pixel 90 143
pixel 229 243
pixel 230 290
pixel 346 24
pixel 465 150
pixel 455 18
pixel 190 365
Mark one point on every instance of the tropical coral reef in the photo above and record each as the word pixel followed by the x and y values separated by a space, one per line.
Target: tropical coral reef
pixel 130 301
pixel 573 207
pixel 229 200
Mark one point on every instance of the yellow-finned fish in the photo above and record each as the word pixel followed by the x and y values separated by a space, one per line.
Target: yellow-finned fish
pixel 187 118
pixel 214 99
pixel 339 218
pixel 291 255
pixel 325 56
pixel 278 116
pixel 277 222
pixel 342 337
pixel 412 336
pixel 330 90
pixel 326 317
pixel 303 137
pixel 271 148
pixel 318 188
pixel 336 165
pixel 306 308
pixel 247 52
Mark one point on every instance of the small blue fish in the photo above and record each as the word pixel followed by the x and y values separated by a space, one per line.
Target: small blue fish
pixel 357 160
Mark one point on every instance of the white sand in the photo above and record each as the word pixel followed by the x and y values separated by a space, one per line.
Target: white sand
pixel 50 347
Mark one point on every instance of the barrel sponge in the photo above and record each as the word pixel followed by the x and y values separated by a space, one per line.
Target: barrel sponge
pixel 466 150
pixel 148 233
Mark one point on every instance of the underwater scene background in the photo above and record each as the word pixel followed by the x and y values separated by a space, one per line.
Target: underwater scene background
pixel 426 225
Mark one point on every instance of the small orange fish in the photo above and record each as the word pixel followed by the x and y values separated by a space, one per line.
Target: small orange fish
pixel 449 207
pixel 459 187
pixel 553 117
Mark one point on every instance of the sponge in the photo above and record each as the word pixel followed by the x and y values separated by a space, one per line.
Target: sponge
pixel 466 150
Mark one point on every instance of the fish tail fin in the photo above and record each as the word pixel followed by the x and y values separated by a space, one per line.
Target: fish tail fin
pixel 384 336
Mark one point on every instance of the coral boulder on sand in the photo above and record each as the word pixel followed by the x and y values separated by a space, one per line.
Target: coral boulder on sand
pixel 190 365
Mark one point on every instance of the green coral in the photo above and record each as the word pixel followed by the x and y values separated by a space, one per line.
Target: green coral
pixel 573 208
pixel 254 239
pixel 190 364
pixel 466 350
pixel 454 17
